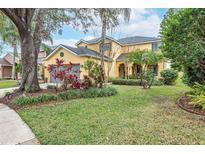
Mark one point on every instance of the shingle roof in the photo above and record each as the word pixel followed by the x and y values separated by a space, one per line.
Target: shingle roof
pixel 137 39
pixel 4 62
pixel 122 56
pixel 126 40
pixel 82 51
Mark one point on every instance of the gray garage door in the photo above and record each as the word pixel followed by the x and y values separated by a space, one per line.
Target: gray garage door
pixel 75 70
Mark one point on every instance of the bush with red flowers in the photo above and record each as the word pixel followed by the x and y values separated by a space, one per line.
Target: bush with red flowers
pixel 66 75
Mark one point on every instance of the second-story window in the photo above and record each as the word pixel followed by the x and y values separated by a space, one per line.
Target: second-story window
pixel 106 47
pixel 155 46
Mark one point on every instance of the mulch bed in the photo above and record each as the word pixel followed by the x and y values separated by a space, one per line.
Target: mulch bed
pixel 9 99
pixel 183 102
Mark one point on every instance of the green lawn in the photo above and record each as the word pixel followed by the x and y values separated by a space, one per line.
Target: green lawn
pixel 134 116
pixel 8 83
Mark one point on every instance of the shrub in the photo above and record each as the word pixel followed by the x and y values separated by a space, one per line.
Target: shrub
pixel 99 92
pixel 133 82
pixel 94 71
pixel 169 76
pixel 24 100
pixel 198 96
pixel 70 94
pixel 67 95
pixel 157 83
pixel 67 75
pixel 198 101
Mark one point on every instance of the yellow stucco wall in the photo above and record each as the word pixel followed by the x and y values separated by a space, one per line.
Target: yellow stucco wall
pixel 130 48
pixel 68 57
pixel 113 67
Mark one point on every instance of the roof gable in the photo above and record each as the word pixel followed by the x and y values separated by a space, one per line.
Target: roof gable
pixel 4 62
pixel 79 51
pixel 56 49
pixel 96 40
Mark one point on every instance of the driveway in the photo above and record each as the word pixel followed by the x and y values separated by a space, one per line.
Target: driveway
pixel 13 130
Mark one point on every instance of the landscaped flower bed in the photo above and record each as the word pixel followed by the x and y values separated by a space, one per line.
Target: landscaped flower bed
pixel 67 95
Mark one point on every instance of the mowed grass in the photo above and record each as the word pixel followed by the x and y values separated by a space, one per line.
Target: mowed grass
pixel 8 83
pixel 133 116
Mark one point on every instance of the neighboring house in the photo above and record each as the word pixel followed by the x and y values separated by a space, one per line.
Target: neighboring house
pixel 116 52
pixel 6 64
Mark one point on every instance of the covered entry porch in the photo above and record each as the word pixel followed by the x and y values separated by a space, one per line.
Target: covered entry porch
pixel 127 70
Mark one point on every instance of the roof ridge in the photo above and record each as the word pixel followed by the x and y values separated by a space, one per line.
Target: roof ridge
pixel 137 36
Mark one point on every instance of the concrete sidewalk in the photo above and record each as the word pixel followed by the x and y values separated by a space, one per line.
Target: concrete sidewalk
pixel 13 130
pixel 6 90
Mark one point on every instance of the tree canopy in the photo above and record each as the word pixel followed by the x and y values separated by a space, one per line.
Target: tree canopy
pixel 36 25
pixel 183 37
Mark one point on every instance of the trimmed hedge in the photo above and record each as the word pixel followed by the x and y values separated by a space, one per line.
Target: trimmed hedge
pixel 67 95
pixel 134 82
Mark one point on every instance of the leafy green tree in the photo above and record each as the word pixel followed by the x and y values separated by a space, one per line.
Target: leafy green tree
pixel 37 25
pixel 109 18
pixel 10 36
pixel 146 59
pixel 183 33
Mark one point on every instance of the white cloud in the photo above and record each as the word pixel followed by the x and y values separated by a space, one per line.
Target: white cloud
pixel 88 37
pixel 69 42
pixel 144 22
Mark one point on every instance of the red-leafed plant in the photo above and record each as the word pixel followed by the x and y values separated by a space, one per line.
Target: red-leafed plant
pixel 66 74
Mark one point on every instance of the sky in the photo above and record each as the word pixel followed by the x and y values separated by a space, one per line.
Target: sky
pixel 143 22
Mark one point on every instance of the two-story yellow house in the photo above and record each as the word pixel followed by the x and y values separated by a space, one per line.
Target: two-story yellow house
pixel 116 51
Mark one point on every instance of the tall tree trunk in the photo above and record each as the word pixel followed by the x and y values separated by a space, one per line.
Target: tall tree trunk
pixel 103 35
pixel 37 32
pixel 14 62
pixel 22 18
pixel 29 80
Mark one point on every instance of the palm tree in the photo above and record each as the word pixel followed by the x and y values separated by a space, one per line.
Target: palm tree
pixel 9 35
pixel 109 19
